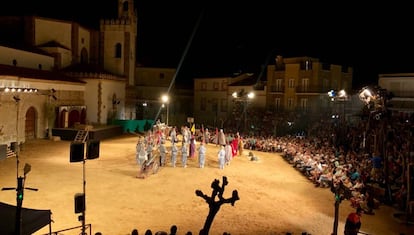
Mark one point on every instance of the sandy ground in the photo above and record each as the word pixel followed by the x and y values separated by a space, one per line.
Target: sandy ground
pixel 274 197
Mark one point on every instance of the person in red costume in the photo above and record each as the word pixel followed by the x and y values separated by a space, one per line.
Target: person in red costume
pixel 235 144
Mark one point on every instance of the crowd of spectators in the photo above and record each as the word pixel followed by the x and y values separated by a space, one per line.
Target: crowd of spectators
pixel 370 158
pixel 173 231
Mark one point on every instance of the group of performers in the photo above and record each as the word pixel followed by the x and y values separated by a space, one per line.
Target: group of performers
pixel 152 144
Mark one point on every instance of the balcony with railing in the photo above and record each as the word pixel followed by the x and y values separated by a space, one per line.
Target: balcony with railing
pixel 311 89
pixel 403 94
pixel 277 89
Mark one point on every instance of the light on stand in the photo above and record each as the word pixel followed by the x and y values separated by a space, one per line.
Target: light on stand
pixel 16 98
pixel 244 98
pixel 27 168
pixel 165 100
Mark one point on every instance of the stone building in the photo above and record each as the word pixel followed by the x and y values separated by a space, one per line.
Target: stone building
pixel 401 86
pixel 296 86
pixel 57 74
pixel 302 83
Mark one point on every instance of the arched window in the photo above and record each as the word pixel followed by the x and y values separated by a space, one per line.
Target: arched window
pixel 118 50
pixel 84 56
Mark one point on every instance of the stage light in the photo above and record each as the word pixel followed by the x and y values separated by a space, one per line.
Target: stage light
pixel 27 168
pixel 18 89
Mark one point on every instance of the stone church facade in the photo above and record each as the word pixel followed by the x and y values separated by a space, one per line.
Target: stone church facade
pixel 58 74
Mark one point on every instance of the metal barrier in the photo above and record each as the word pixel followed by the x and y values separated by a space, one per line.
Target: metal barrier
pixel 60 232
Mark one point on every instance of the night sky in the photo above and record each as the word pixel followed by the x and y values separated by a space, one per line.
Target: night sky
pixel 244 37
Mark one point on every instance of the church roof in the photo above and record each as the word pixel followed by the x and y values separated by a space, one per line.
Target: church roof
pixel 29 73
pixel 53 44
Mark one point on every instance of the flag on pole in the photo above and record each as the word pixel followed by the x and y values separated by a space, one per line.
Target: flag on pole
pixel 193 129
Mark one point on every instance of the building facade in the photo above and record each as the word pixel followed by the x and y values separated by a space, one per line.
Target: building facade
pixel 86 76
pixel 213 102
pixel 28 97
pixel 146 94
pixel 302 84
pixel 401 85
pixel 292 85
pixel 79 74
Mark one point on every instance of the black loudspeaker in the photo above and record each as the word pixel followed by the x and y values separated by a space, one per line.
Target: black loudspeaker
pixel 77 152
pixel 92 151
pixel 79 203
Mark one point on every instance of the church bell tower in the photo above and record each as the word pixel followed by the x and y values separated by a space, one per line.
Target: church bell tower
pixel 118 38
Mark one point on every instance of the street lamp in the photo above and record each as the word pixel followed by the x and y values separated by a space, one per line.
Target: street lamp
pixel 373 99
pixel 338 190
pixel 243 94
pixel 339 96
pixel 243 97
pixel 165 100
pixel 144 109
pixel 376 101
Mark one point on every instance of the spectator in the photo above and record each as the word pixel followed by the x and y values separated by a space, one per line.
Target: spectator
pixel 376 166
pixel 173 230
pixel 161 233
pixel 353 222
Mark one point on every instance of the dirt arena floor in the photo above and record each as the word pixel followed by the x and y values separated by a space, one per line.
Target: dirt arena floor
pixel 274 197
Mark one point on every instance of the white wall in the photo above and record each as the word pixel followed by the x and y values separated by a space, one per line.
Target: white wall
pixel 9 112
pixel 112 64
pixel 99 104
pixel 25 59
pixel 402 85
pixel 8 106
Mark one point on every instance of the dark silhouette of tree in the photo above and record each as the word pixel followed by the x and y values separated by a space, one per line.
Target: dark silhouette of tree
pixel 213 204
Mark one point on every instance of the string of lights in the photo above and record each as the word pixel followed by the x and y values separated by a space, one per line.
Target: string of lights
pixel 19 89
